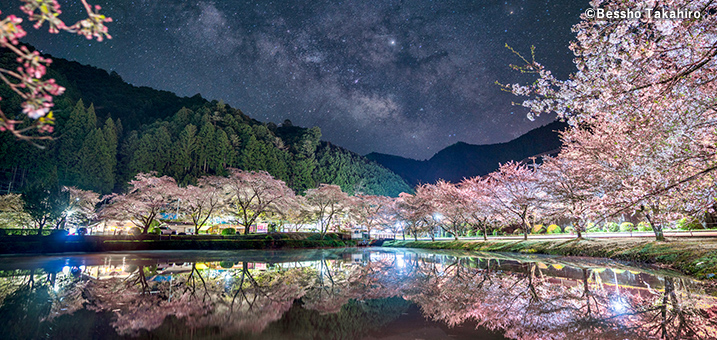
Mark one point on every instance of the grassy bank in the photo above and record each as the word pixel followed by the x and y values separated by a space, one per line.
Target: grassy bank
pixel 61 244
pixel 696 257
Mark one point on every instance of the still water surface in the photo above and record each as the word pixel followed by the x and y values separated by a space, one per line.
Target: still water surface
pixel 346 294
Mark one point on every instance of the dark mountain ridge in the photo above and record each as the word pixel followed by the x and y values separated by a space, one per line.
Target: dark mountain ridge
pixel 463 160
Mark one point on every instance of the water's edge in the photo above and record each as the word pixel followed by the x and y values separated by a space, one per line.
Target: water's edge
pixel 680 255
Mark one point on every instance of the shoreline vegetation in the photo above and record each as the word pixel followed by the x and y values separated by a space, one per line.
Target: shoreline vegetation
pixel 25 245
pixel 691 256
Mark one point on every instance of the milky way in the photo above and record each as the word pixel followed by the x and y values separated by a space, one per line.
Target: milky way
pixel 398 77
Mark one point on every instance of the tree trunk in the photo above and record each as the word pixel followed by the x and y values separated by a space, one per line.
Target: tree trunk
pixel 526 228
pixel 485 234
pixel 657 229
pixel 580 235
pixel 455 237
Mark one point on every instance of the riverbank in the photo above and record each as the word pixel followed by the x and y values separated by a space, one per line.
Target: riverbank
pixel 695 257
pixel 91 244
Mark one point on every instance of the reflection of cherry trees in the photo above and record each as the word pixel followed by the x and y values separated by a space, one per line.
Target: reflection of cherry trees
pixel 527 305
pixel 522 298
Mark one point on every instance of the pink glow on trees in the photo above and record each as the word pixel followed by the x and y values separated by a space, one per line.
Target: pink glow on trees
pixel 255 194
pixel 641 105
pixel 369 210
pixel 199 203
pixel 517 195
pixel 390 219
pixel 413 212
pixel 642 169
pixel 26 81
pixel 327 202
pixel 147 196
pixel 449 201
pixel 574 190
pixel 479 203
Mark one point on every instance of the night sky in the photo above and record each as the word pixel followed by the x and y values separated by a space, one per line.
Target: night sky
pixel 400 77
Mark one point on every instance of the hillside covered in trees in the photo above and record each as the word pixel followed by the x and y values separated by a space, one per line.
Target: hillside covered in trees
pixel 107 131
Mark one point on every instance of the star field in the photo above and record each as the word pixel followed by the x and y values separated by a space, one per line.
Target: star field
pixel 399 77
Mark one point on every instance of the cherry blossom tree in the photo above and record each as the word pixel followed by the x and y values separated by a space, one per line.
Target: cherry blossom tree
pixel 479 204
pixel 298 213
pixel 255 194
pixel 390 219
pixel 369 210
pixel 574 190
pixel 327 202
pixel 636 174
pixel 27 80
pixel 641 103
pixel 414 212
pixel 517 195
pixel 199 203
pixel 81 209
pixel 450 203
pixel 147 196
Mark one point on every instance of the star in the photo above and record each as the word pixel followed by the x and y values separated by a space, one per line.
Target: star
pixel 400 75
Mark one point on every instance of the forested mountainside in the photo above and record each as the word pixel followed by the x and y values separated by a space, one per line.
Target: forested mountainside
pixel 462 160
pixel 107 131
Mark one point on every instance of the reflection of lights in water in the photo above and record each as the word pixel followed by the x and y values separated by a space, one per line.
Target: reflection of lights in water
pixel 619 305
pixel 400 263
pixel 72 231
pixel 66 270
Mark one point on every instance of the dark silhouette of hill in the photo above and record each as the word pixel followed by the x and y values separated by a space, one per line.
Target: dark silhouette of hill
pixel 463 160
pixel 108 130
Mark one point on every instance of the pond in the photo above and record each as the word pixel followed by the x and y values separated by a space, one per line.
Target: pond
pixel 371 293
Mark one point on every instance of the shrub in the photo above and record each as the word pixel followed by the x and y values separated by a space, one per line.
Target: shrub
pixel 627 227
pixel 644 226
pixel 496 232
pixel 518 231
pixel 569 229
pixel 611 227
pixel 591 227
pixel 155 231
pixel 689 224
pixel 135 231
pixel 229 231
pixel 554 229
pixel 226 264
pixel 538 229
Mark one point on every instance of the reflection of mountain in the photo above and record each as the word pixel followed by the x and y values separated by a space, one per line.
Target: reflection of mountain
pixel 353 295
